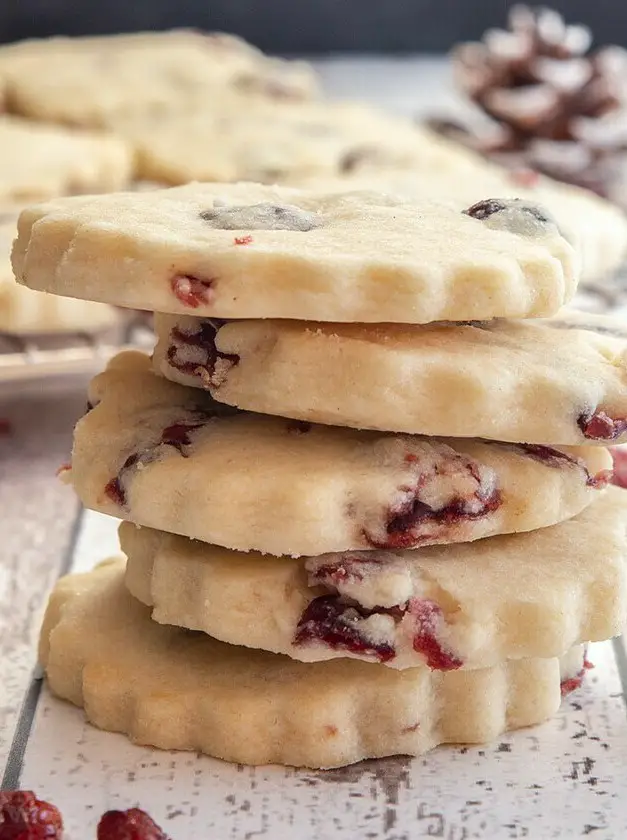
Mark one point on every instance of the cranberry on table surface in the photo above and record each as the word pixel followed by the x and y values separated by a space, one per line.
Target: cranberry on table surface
pixel 25 817
pixel 133 824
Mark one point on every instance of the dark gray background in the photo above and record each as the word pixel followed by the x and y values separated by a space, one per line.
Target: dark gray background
pixel 306 26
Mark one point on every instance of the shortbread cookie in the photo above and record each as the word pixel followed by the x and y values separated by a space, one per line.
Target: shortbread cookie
pixel 42 161
pixel 248 250
pixel 166 456
pixel 595 227
pixel 24 311
pixel 175 690
pixel 275 143
pixel 95 81
pixel 560 380
pixel 470 605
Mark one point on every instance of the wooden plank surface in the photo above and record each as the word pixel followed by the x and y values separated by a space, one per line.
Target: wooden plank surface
pixel 37 517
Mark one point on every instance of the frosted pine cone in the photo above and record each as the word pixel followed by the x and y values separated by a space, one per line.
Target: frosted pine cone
pixel 553 106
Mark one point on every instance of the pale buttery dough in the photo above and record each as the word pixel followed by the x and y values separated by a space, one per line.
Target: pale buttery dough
pixel 254 251
pixel 96 81
pixel 175 690
pixel 278 142
pixel 596 228
pixel 42 161
pixel 560 380
pixel 169 457
pixel 23 311
pixel 470 605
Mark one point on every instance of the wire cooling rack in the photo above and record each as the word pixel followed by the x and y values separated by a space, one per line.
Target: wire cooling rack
pixel 30 358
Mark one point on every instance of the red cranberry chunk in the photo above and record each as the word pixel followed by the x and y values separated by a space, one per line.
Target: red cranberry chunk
pixel 24 817
pixel 572 683
pixel 600 426
pixel 214 365
pixel 261 217
pixel 178 435
pixel 349 567
pixel 114 489
pixel 133 824
pixel 428 617
pixel 192 291
pixel 405 527
pixel 555 458
pixel 331 621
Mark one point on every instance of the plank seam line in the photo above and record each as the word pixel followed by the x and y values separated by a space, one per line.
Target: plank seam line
pixel 15 760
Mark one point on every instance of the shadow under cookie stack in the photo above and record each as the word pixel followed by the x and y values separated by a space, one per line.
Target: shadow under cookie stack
pixel 359 465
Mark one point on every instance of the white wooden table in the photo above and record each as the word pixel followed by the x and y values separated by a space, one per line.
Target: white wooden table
pixel 565 779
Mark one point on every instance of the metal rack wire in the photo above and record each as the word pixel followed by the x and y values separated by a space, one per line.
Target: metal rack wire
pixel 32 357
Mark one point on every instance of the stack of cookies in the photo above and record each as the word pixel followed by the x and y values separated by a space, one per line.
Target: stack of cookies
pixel 372 486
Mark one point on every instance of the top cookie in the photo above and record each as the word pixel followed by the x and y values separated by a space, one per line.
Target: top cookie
pixel 253 251
pixel 23 311
pixel 555 380
pixel 94 81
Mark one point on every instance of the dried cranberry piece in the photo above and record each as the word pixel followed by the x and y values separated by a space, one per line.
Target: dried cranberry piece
pixel 192 291
pixel 555 458
pixel 114 489
pixel 410 523
pixel 484 209
pixel 205 338
pixel 619 456
pixel 243 240
pixel 334 622
pixel 597 425
pixel 133 824
pixel 177 435
pixel 6 427
pixel 491 206
pixel 572 683
pixel 403 525
pixel 428 615
pixel 24 817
